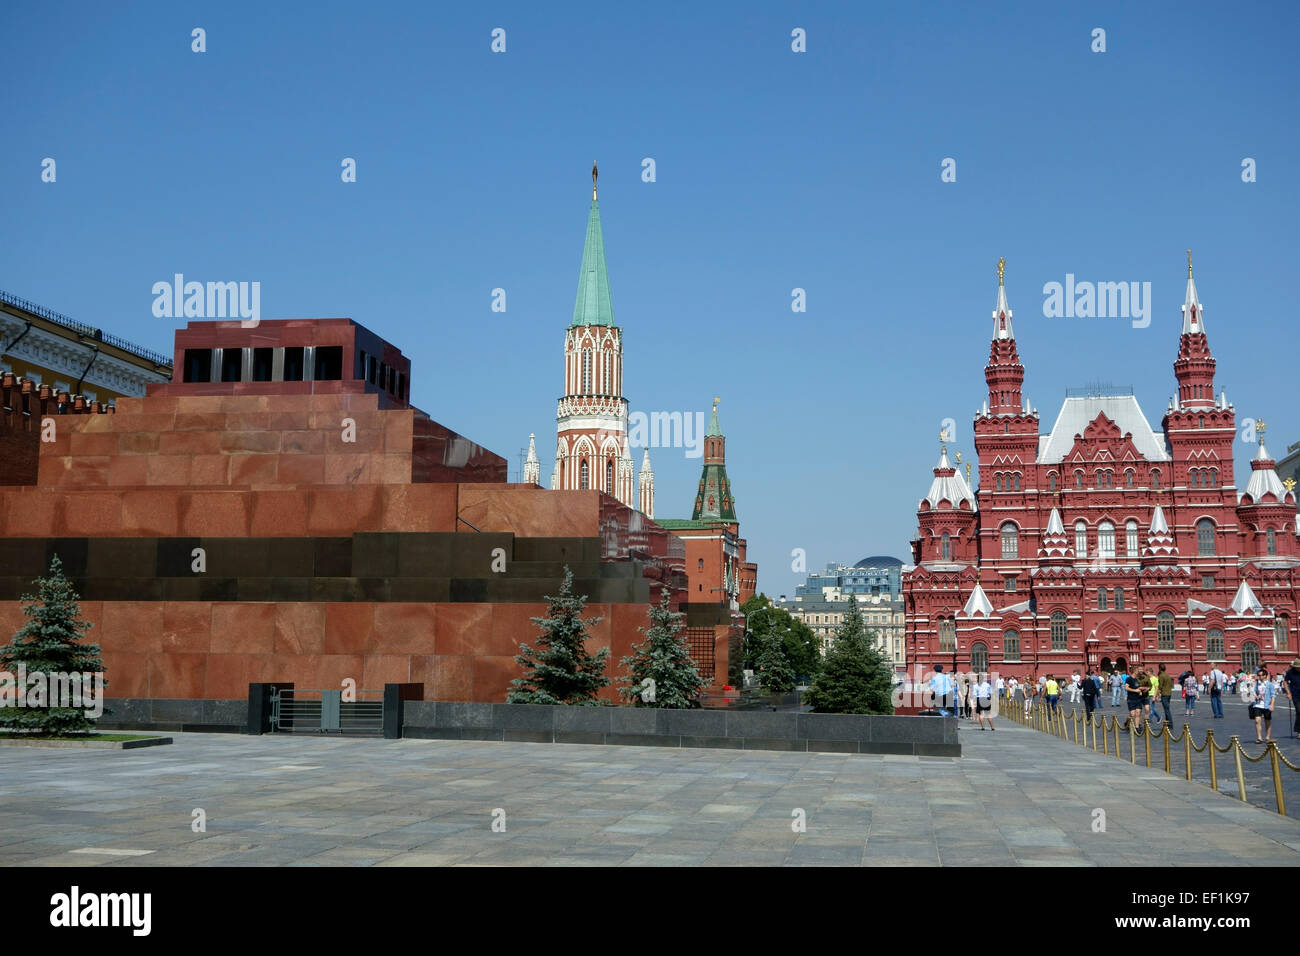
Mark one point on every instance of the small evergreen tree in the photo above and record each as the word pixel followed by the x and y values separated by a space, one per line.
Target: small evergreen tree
pixel 664 660
pixel 48 644
pixel 560 670
pixel 855 677
pixel 771 663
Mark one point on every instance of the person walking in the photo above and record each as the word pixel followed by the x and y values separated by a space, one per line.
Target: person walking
pixel 1133 685
pixel 940 688
pixel 1117 681
pixel 983 692
pixel 1218 680
pixel 1292 679
pixel 1052 694
pixel 1190 693
pixel 1165 685
pixel 1262 711
pixel 1090 692
pixel 1029 689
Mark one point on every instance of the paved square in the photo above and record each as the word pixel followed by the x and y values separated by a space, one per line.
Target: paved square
pixel 1016 797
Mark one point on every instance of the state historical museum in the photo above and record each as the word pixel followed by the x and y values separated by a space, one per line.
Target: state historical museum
pixel 1103 542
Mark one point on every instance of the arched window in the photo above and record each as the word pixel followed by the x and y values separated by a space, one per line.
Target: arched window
pixel 1214 645
pixel 1051 482
pixel 1078 479
pixel 1006 428
pixel 609 475
pixel 586 371
pixel 1205 537
pixel 1011 645
pixel 1106 540
pixel 1081 539
pixel 1214 477
pixel 1165 631
pixel 1131 538
pixel 1101 599
pixel 584 475
pixel 1155 478
pixel 1128 478
pixel 1119 599
pixel 998 481
pixel 1010 541
pixel 1059 631
pixel 1272 541
pixel 1017 480
pixel 1281 636
pixel 945 547
pixel 1196 478
pixel 979 657
pixel 1250 657
pixel 701 566
pixel 947 635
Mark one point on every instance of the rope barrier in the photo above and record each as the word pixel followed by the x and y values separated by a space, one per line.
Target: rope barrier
pixel 1043 719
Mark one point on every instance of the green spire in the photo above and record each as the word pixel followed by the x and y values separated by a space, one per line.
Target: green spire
pixel 714 429
pixel 593 305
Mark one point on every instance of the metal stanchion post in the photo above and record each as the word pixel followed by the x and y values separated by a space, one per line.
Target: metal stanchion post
pixel 1277 776
pixel 1214 759
pixel 1241 776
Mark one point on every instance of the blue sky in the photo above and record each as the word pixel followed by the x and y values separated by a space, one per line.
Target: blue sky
pixel 775 170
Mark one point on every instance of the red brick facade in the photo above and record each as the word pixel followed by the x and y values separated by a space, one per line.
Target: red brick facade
pixel 1103 541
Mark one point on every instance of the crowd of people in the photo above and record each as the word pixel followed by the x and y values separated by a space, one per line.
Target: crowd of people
pixel 1140 691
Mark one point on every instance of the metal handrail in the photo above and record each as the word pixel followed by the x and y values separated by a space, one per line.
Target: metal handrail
pixel 1042 720
pixel 72 325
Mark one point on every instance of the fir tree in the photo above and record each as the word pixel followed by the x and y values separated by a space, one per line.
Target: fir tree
pixel 49 644
pixel 772 663
pixel 855 677
pixel 664 660
pixel 559 670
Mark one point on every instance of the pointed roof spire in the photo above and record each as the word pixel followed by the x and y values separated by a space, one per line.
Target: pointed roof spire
pixel 1193 313
pixel 1158 523
pixel 714 430
pixel 532 450
pixel 1002 311
pixel 978 603
pixel 948 484
pixel 1054 525
pixel 593 305
pixel 645 462
pixel 1244 600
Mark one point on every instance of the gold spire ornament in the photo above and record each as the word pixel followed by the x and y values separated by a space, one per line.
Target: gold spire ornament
pixel 1002 267
pixel 1189 263
pixel 1259 429
pixel 593 180
pixel 715 404
pixel 1290 484
pixel 968 473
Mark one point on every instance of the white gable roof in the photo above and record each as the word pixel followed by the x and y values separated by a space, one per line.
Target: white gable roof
pixel 1079 412
pixel 1245 600
pixel 978 603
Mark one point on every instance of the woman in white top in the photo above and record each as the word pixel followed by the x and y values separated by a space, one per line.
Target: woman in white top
pixel 981 694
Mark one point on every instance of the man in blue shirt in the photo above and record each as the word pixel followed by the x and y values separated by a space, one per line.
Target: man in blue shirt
pixel 941 686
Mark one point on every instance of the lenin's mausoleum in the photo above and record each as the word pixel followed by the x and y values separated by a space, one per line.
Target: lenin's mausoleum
pixel 280 513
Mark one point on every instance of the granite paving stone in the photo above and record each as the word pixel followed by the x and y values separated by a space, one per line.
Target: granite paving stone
pixel 1018 797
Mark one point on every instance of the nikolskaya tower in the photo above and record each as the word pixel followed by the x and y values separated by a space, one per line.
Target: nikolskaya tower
pixel 591 446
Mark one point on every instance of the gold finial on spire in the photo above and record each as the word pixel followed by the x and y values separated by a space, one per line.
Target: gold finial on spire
pixel 1189 263
pixel 968 473
pixel 1002 267
pixel 1259 430
pixel 715 404
pixel 593 180
pixel 1290 484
